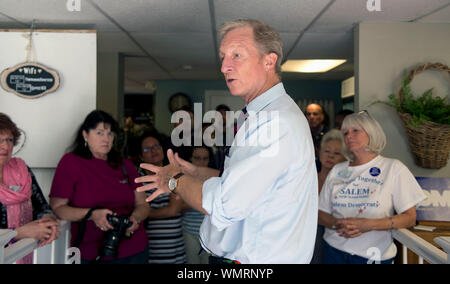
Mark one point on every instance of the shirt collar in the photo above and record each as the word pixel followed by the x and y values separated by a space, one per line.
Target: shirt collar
pixel 261 101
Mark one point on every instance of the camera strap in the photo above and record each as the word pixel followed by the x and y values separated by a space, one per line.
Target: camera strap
pixel 125 173
pixel 82 224
pixel 82 227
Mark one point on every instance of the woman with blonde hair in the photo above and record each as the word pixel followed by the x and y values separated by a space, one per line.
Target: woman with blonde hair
pixel 366 197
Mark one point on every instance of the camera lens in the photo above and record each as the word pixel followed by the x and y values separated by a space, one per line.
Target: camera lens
pixel 113 237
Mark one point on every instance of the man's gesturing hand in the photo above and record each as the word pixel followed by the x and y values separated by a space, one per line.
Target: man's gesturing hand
pixel 159 180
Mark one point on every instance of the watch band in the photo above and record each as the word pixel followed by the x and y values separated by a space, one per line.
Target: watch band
pixel 177 176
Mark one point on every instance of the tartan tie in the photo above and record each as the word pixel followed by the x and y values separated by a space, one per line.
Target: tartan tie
pixel 242 118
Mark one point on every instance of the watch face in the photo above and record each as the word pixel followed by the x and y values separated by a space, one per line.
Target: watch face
pixel 172 184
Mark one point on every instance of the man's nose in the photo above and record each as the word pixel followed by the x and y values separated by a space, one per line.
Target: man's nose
pixel 226 65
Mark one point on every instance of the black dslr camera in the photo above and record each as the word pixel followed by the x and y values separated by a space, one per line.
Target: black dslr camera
pixel 113 237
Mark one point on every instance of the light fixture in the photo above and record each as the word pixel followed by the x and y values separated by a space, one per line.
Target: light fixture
pixel 311 66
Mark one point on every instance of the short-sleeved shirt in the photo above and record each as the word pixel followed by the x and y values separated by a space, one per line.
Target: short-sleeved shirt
pixel 89 183
pixel 374 191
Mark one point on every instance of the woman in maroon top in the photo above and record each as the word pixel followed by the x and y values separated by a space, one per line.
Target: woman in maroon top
pixel 93 181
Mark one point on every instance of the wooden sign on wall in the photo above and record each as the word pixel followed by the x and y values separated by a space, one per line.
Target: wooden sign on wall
pixel 29 80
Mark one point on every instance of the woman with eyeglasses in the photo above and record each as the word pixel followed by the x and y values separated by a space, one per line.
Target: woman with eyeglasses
pixel 164 223
pixel 366 197
pixel 23 207
pixel 92 183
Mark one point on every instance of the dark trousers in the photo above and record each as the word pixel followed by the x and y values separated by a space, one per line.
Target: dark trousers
pixel 139 258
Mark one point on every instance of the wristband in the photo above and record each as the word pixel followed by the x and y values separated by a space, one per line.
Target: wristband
pixel 89 213
pixel 82 227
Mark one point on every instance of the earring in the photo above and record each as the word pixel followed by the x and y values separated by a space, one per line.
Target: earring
pixel 85 143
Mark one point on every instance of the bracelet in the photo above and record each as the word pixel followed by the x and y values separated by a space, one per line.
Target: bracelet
pixel 89 213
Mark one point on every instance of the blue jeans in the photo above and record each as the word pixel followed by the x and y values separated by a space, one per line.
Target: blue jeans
pixel 335 256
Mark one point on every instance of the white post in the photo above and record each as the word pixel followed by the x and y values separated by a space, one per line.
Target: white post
pixel 5 237
pixel 405 254
pixel 420 260
pixel 59 247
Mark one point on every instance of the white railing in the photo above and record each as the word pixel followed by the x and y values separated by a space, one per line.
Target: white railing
pixel 54 253
pixel 57 251
pixel 422 248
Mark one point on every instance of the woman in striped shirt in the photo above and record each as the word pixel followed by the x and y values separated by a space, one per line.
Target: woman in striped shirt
pixel 164 223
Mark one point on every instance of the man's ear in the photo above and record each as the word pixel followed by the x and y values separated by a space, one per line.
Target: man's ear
pixel 270 60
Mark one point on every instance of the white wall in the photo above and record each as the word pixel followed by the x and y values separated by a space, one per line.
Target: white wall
pixel 383 51
pixel 51 121
pixel 110 79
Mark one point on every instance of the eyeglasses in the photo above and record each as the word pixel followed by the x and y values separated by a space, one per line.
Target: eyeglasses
pixel 151 148
pixel 8 140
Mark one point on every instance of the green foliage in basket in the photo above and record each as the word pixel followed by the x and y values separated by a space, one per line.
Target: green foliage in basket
pixel 423 108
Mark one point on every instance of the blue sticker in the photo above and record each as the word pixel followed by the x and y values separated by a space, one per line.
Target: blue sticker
pixel 375 171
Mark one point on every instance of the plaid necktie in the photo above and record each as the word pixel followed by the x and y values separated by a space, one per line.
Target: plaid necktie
pixel 242 118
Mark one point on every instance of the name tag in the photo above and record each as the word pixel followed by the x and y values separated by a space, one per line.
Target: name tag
pixel 15 188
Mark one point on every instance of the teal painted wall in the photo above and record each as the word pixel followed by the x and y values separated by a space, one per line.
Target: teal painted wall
pixel 196 90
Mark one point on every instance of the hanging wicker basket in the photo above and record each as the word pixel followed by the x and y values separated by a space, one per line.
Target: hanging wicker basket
pixel 429 142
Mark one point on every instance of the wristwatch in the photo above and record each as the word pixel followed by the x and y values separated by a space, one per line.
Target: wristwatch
pixel 173 182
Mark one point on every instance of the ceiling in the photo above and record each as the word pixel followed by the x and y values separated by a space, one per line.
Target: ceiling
pixel 178 39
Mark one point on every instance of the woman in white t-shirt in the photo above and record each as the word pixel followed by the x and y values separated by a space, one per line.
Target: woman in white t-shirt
pixel 366 197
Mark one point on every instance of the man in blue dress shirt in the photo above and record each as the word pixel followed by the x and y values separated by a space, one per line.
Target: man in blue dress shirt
pixel 263 208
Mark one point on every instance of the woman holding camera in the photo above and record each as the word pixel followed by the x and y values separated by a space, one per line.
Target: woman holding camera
pixel 93 183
